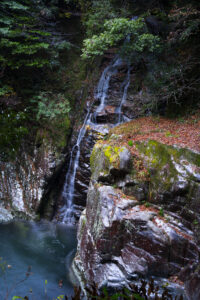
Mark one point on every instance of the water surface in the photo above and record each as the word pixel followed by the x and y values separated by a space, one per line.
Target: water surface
pixel 45 247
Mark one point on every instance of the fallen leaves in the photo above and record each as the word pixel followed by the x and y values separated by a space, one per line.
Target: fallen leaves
pixel 181 132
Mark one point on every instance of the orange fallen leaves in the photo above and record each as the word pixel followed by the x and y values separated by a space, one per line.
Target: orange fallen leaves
pixel 181 132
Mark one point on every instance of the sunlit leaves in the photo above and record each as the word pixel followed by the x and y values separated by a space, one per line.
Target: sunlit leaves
pixel 115 33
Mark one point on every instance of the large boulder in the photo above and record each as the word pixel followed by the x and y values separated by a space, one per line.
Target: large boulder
pixel 174 177
pixel 139 221
pixel 120 240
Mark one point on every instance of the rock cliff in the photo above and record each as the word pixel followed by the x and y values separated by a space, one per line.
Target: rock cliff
pixel 139 221
pixel 24 181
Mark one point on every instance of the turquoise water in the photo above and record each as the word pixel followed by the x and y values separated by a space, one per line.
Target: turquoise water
pixel 47 249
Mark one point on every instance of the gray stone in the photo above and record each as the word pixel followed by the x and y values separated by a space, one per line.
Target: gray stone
pixel 118 241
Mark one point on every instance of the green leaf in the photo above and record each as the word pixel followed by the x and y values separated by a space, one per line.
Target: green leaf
pixel 15 5
pixel 4 30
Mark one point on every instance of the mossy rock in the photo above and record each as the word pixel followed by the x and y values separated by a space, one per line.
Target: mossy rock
pixel 174 173
pixel 108 162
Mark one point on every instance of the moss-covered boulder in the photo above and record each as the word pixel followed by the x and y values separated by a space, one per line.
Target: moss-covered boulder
pixel 109 163
pixel 174 175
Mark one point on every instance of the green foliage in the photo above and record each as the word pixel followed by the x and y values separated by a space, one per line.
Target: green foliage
pixel 195 222
pixel 174 84
pixel 97 14
pixel 114 34
pixel 26 44
pixel 187 20
pixel 130 143
pixel 50 106
pixel 193 27
pixel 6 90
pixel 161 212
pixel 30 51
pixel 12 131
pixel 21 43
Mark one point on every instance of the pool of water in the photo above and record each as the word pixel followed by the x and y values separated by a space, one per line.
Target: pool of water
pixel 45 250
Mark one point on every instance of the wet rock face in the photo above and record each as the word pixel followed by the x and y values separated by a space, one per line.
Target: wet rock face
pixel 134 96
pixel 122 238
pixel 23 182
pixel 83 172
pixel 107 115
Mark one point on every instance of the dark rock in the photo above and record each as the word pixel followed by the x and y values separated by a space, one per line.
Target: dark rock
pixel 120 240
pixel 156 26
pixel 191 277
pixel 107 115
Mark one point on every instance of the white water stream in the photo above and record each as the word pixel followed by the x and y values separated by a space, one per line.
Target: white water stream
pixel 68 190
pixel 90 119
pixel 104 82
pixel 125 87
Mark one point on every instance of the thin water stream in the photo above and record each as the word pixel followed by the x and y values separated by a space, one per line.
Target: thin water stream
pixel 90 119
pixel 68 190
pixel 125 87
pixel 45 247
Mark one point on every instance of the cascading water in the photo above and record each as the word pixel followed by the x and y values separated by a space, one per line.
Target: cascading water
pixel 68 190
pixel 125 86
pixel 90 119
pixel 103 85
pixel 69 186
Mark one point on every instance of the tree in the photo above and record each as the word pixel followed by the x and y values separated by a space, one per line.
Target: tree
pixel 25 44
pixel 22 44
pixel 28 50
pixel 131 36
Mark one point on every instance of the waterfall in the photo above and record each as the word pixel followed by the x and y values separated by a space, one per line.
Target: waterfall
pixel 68 215
pixel 103 85
pixel 68 190
pixel 125 86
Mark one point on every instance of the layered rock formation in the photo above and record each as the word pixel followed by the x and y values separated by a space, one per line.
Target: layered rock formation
pixel 24 181
pixel 139 223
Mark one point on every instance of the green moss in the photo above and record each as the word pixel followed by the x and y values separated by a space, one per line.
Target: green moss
pixel 82 223
pixel 161 212
pixel 103 159
pixel 112 154
pixel 156 153
pixel 167 164
pixel 130 143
